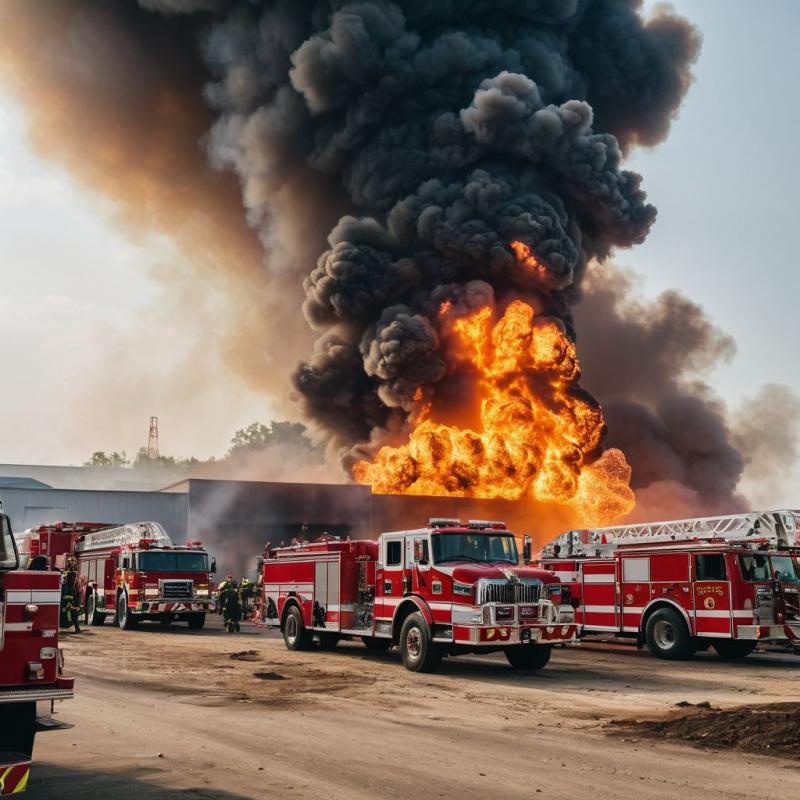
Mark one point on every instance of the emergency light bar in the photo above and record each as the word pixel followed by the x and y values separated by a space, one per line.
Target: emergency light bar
pixel 482 524
pixel 445 522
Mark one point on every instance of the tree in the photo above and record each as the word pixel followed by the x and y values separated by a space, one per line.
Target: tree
pixel 101 459
pixel 257 437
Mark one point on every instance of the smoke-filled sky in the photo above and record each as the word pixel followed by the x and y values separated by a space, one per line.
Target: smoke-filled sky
pixel 103 329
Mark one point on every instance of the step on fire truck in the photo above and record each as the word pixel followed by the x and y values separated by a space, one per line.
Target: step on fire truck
pixel 133 572
pixel 729 582
pixel 30 660
pixel 446 589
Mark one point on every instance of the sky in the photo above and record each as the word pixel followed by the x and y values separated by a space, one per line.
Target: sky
pixel 91 349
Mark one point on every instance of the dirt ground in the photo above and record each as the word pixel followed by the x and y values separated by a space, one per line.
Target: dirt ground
pixel 167 713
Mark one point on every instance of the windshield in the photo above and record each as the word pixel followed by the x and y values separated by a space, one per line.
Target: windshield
pixel 8 552
pixel 754 567
pixel 478 546
pixel 788 567
pixel 173 562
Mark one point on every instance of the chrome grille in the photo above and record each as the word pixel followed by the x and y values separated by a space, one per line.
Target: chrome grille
pixel 501 591
pixel 176 588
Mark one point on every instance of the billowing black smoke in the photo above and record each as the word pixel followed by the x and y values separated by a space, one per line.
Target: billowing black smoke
pixel 422 137
pixel 450 129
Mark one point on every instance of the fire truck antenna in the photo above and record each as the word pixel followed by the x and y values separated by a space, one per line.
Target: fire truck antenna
pixel 152 442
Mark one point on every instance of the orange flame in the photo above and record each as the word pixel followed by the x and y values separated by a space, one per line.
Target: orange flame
pixel 537 432
pixel 526 257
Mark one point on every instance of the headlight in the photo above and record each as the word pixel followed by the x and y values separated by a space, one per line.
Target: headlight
pixel 464 589
pixel 202 592
pixel 151 592
pixel 467 616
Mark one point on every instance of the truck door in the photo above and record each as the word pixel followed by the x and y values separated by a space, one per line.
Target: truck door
pixel 390 582
pixel 712 595
pixel 421 566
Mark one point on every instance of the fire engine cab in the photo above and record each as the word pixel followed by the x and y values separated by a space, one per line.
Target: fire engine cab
pixel 729 582
pixel 131 572
pixel 446 589
pixel 30 660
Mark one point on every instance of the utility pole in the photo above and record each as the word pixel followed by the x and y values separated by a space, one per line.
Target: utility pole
pixel 152 442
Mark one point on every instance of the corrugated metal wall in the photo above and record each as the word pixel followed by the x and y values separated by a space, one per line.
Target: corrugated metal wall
pixel 30 507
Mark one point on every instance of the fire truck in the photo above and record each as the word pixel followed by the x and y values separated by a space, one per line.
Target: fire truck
pixel 130 572
pixel 447 589
pixel 727 582
pixel 30 660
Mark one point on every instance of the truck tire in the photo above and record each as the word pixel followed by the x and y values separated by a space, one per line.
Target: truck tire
pixel 295 635
pixel 418 652
pixel 196 621
pixel 733 649
pixel 668 637
pixel 93 617
pixel 125 619
pixel 529 657
pixel 375 644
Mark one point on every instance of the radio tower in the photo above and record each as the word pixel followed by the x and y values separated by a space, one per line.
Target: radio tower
pixel 152 442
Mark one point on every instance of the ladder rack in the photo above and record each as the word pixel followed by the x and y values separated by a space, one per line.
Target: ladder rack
pixel 776 528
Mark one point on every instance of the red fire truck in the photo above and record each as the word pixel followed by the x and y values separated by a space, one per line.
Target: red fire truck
pixel 133 572
pixel 30 660
pixel 729 582
pixel 446 589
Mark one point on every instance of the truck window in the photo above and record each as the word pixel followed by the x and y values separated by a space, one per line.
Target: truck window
pixel 474 547
pixel 754 567
pixel 154 561
pixel 787 568
pixel 394 553
pixel 710 567
pixel 8 552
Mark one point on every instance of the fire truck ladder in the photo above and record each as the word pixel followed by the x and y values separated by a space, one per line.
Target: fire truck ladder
pixel 125 535
pixel 777 528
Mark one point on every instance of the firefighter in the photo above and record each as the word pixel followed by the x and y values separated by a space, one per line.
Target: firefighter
pixel 220 589
pixel 70 604
pixel 231 606
pixel 247 592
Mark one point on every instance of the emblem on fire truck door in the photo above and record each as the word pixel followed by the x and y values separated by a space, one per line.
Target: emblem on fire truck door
pixel 628 599
pixel 709 602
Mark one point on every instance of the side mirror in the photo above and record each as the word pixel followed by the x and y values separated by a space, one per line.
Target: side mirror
pixel 527 547
pixel 213 567
pixel 421 551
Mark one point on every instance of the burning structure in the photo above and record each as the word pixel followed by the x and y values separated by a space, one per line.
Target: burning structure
pixel 436 183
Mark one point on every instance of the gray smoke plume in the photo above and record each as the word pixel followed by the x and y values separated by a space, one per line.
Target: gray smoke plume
pixel 387 155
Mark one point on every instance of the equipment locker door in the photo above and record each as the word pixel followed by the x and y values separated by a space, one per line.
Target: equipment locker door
pixel 599 594
pixel 712 595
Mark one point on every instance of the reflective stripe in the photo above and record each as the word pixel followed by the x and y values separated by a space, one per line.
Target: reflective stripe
pixel 18 626
pixel 23 596
pixel 441 606
pixel 599 609
pixel 598 578
pixel 566 576
pixel 48 596
pixel 713 614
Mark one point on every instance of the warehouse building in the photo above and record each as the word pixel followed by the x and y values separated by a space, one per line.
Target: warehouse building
pixel 235 519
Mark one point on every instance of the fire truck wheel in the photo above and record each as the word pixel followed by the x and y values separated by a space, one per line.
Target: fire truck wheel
pixel 529 657
pixel 733 649
pixel 92 617
pixel 668 637
pixel 419 653
pixel 125 619
pixel 196 621
pixel 295 635
pixel 375 644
